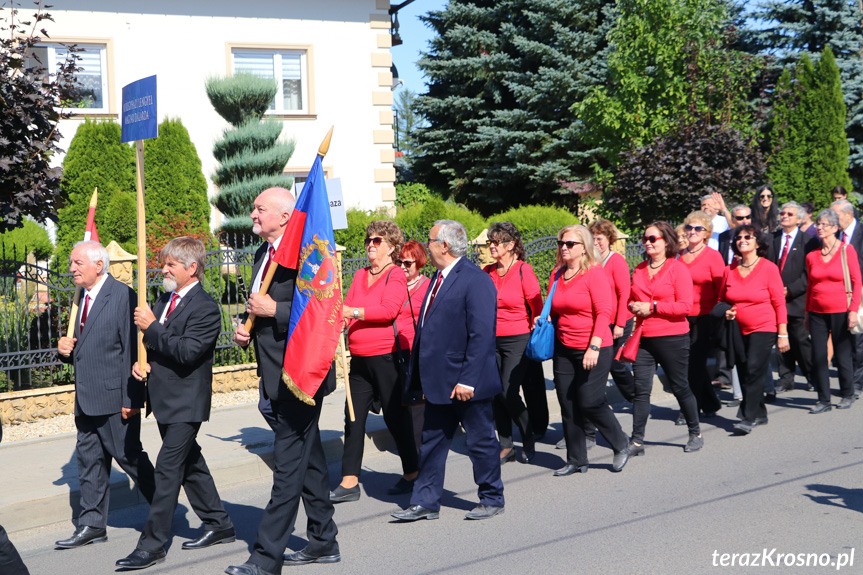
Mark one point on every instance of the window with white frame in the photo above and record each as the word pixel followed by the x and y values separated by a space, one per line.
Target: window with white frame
pixel 287 67
pixel 91 94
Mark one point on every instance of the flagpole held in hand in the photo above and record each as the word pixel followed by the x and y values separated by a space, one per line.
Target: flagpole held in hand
pixel 88 235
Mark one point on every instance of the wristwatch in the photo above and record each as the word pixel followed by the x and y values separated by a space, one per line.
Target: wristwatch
pixel 356 313
pixel 593 347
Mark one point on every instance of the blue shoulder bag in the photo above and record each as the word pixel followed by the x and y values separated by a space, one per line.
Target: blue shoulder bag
pixel 541 344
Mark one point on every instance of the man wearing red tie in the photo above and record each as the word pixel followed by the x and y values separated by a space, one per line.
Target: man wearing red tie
pixel 180 334
pixel 788 251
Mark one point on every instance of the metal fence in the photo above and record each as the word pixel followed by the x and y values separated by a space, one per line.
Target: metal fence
pixel 35 300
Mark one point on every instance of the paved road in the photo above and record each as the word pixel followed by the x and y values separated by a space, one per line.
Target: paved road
pixel 793 485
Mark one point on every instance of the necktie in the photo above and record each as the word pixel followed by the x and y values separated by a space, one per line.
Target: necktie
pixel 433 294
pixel 785 251
pixel 272 252
pixel 84 312
pixel 174 299
pixel 843 237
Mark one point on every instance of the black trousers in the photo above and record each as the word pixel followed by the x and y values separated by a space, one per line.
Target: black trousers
pixel 672 353
pixel 581 394
pixel 620 372
pixel 700 330
pixel 753 372
pixel 371 377
pixel 535 397
pixel 507 405
pixel 10 561
pixel 799 354
pixel 300 471
pixel 181 464
pixel 836 325
pixel 102 438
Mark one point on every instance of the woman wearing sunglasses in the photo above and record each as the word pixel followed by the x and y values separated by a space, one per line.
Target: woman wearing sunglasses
pixel 706 268
pixel 519 301
pixel 582 308
pixel 765 211
pixel 828 311
pixel 661 299
pixel 752 286
pixel 373 302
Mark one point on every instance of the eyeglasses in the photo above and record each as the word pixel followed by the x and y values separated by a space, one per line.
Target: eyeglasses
pixel 765 196
pixel 406 263
pixel 650 239
pixel 741 218
pixel 824 225
pixel 496 242
pixel 377 241
pixel 569 245
pixel 432 240
pixel 789 214
pixel 690 228
pixel 746 237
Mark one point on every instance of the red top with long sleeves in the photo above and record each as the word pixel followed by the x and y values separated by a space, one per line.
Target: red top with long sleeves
pixel 759 297
pixel 405 321
pixel 707 270
pixel 671 289
pixel 617 274
pixel 516 290
pixel 582 308
pixel 825 292
pixel 381 303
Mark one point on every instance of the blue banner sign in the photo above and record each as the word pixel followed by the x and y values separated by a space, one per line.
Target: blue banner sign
pixel 140 120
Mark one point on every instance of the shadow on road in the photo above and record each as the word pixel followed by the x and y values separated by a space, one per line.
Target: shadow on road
pixel 836 496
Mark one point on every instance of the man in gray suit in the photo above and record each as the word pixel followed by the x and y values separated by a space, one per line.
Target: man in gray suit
pixel 108 399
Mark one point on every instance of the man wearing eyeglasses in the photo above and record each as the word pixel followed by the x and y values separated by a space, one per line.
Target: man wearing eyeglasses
pixel 788 249
pixel 453 359
pixel 740 215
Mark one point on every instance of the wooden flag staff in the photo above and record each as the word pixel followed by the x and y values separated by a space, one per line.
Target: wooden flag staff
pixel 142 250
pixel 76 299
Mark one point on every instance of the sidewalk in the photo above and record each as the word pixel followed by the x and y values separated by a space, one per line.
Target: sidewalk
pixel 40 476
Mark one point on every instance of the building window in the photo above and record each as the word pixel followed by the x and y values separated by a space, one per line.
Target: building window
pixel 287 67
pixel 92 77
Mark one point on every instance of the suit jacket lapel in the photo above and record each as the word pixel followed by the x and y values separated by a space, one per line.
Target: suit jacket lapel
pixel 160 305
pixel 181 305
pixel 259 261
pixel 445 286
pixel 96 306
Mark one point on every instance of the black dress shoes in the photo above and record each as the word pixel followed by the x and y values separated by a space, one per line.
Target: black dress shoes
pixel 401 487
pixel 246 569
pixel 483 511
pixel 343 495
pixel 304 557
pixel 508 457
pixel 845 403
pixel 210 538
pixel 569 470
pixel 780 389
pixel 821 407
pixel 140 559
pixel 620 459
pixel 83 535
pixel 415 513
pixel 560 444
pixel 636 449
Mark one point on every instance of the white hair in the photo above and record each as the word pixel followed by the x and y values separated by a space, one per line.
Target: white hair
pixel 95 252
pixel 454 234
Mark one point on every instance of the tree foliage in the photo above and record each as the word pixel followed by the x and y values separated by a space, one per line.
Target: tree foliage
pixel 250 154
pixel 502 75
pixel 28 238
pixel 29 185
pixel 665 179
pixel 175 185
pixel 97 158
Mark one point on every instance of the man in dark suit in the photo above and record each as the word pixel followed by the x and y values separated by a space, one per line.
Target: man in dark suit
pixel 851 232
pixel 788 249
pixel 180 334
pixel 108 399
pixel 300 465
pixel 453 361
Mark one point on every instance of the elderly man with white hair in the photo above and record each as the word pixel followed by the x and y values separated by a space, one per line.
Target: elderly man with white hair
pixel 851 233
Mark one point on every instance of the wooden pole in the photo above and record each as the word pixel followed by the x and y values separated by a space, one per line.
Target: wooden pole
pixel 142 251
pixel 76 299
pixel 344 346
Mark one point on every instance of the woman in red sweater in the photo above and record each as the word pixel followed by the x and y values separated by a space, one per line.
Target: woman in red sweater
pixel 753 287
pixel 828 312
pixel 661 298
pixel 581 309
pixel 374 300
pixel 519 300
pixel 706 268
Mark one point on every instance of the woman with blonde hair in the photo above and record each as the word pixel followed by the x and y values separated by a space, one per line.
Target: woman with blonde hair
pixel 581 309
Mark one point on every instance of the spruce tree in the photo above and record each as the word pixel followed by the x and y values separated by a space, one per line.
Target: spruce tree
pixel 790 28
pixel 176 186
pixel 787 141
pixel 97 158
pixel 502 75
pixel 250 154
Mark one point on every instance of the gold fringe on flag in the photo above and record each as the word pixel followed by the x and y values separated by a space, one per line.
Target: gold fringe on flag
pixel 299 393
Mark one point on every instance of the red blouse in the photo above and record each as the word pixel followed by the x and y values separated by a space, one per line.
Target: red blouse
pixel 671 289
pixel 707 270
pixel 582 308
pixel 826 290
pixel 405 320
pixel 517 290
pixel 617 274
pixel 759 297
pixel 381 303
